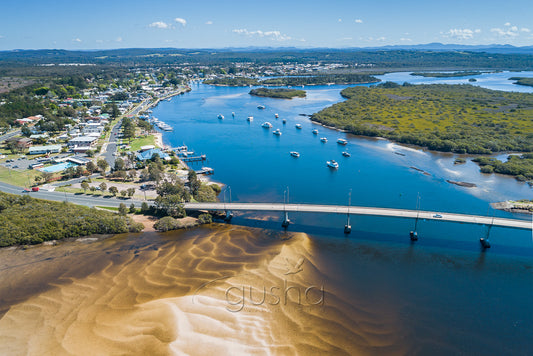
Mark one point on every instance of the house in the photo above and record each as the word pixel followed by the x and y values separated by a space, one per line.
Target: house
pixel 20 142
pixel 92 127
pixel 39 150
pixel 82 141
pixel 148 154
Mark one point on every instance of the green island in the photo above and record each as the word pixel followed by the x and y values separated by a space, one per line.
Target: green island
pixel 520 166
pixel 523 81
pixel 446 74
pixel 26 221
pixel 278 93
pixel 448 118
pixel 319 79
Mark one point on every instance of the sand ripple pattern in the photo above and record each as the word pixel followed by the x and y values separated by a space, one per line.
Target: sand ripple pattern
pixel 223 290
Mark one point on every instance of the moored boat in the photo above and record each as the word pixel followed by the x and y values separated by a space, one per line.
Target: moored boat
pixel 315 132
pixel 277 132
pixel 342 141
pixel 250 118
pixel 267 125
pixel 276 116
pixel 324 139
pixel 220 116
pixel 298 126
pixel 346 154
pixel 332 164
pixel 295 154
pixel 261 107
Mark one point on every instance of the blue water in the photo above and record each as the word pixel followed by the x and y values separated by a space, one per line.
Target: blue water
pixel 258 167
pixel 58 167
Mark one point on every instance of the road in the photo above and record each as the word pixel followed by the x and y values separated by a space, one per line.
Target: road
pixel 111 147
pixel 9 135
pixel 80 199
pixel 360 210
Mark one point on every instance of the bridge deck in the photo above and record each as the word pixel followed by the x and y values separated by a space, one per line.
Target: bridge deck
pixel 360 210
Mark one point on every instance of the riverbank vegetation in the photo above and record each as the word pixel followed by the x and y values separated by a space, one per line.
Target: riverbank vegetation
pixel 298 80
pixel 278 93
pixel 448 118
pixel 522 81
pixel 446 74
pixel 519 166
pixel 25 221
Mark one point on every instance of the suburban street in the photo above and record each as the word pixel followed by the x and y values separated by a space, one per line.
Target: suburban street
pixel 111 147
pixel 9 135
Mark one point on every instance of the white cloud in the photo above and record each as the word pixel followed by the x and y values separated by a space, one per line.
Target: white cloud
pixel 524 29
pixel 403 39
pixel 507 24
pixel 340 20
pixel 461 33
pixel 119 39
pixel 506 32
pixel 381 39
pixel 160 24
pixel 181 21
pixel 273 35
pixel 358 21
pixel 76 40
pixel 209 23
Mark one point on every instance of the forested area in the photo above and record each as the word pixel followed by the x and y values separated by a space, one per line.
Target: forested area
pixel 24 221
pixel 278 93
pixel 449 118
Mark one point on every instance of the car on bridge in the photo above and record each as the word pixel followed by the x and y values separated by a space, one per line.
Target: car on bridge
pixel 438 216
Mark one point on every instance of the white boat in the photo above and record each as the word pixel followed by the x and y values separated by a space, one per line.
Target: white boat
pixel 267 125
pixel 342 141
pixel 232 114
pixel 276 116
pixel 220 116
pixel 346 154
pixel 315 132
pixel 261 107
pixel 250 118
pixel 277 132
pixel 323 139
pixel 295 154
pixel 298 126
pixel 332 164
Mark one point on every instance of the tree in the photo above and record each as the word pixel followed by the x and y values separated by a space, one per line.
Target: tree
pixel 25 130
pixel 91 167
pixel 113 190
pixel 38 179
pixel 131 191
pixel 205 219
pixel 144 207
pixel 119 164
pixel 80 171
pixel 194 183
pixel 84 186
pixel 103 187
pixel 132 174
pixel 132 209
pixel 102 164
pixel 47 176
pixel 123 193
pixel 122 209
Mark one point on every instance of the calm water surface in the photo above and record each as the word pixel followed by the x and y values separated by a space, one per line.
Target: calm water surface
pixel 258 167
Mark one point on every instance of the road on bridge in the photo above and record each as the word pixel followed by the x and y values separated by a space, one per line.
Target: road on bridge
pixel 360 210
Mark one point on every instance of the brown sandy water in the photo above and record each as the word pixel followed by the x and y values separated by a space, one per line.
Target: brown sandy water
pixel 224 290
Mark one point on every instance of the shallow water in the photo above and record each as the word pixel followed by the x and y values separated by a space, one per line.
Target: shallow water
pixel 189 292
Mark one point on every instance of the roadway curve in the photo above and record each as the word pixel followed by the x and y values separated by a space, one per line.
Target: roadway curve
pixel 360 210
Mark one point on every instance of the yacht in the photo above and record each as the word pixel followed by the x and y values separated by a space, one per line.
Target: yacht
pixel 220 116
pixel 277 132
pixel 232 114
pixel 323 139
pixel 298 126
pixel 332 164
pixel 295 154
pixel 346 154
pixel 342 141
pixel 276 116
pixel 267 125
pixel 261 107
pixel 284 121
pixel 315 132
pixel 250 118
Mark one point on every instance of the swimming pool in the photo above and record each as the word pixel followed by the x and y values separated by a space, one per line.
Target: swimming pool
pixel 57 167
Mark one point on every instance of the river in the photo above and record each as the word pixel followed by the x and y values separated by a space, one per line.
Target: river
pixel 252 288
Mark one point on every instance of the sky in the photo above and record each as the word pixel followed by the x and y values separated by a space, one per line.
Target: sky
pixel 98 24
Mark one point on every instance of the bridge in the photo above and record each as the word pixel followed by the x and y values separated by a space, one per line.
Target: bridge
pixel 361 210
